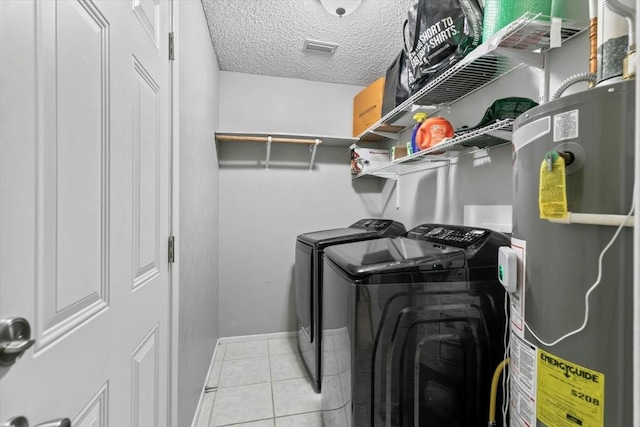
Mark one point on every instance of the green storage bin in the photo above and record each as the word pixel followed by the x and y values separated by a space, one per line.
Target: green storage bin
pixel 573 10
pixel 500 13
pixel 534 7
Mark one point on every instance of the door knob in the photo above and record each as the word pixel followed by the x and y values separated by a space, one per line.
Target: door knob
pixel 23 422
pixel 16 422
pixel 15 339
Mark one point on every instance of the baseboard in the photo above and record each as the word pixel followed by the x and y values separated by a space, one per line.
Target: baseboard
pixel 196 416
pixel 247 338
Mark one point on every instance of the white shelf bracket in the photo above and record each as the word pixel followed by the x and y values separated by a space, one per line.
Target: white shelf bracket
pixel 269 139
pixel 532 59
pixel 389 135
pixel 313 148
pixel 395 177
pixel 544 77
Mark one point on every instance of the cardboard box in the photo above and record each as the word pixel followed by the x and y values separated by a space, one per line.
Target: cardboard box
pixel 400 151
pixel 364 159
pixel 367 106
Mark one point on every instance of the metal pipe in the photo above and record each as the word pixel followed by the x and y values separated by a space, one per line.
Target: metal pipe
pixel 593 38
pixel 250 138
pixel 595 219
pixel 593 9
pixel 593 48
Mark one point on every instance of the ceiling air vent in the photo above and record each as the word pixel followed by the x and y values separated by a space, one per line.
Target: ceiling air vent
pixel 319 46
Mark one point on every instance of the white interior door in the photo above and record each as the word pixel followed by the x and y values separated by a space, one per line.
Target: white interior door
pixel 84 203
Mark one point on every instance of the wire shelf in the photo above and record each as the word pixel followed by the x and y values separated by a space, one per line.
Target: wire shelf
pixel 520 43
pixel 533 33
pixel 464 78
pixel 464 142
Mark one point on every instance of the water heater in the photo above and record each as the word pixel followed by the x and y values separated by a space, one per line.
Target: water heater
pixel 584 379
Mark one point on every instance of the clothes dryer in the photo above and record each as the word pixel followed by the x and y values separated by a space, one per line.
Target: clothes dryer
pixel 308 281
pixel 412 329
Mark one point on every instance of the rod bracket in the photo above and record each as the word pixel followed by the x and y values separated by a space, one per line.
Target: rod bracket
pixel 269 140
pixel 313 148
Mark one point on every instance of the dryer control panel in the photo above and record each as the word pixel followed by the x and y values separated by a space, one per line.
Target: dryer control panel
pixel 449 235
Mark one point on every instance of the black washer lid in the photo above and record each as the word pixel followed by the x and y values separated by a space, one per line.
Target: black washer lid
pixel 385 227
pixel 393 254
pixel 335 235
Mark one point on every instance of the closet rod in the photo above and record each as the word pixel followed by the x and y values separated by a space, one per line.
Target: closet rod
pixel 248 138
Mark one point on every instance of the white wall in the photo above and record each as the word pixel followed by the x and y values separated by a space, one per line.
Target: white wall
pixel 253 103
pixel 197 240
pixel 262 212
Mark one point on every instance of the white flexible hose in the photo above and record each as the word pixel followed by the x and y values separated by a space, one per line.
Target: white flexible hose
pixel 626 12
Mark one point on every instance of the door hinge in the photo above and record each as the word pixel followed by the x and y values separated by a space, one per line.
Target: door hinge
pixel 171 47
pixel 172 249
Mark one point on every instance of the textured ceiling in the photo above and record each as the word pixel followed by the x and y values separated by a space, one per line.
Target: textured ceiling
pixel 267 36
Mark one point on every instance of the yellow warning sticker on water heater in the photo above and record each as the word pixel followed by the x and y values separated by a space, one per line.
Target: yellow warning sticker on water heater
pixel 552 197
pixel 569 395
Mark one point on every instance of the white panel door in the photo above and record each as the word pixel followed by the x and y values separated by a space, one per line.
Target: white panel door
pixel 84 209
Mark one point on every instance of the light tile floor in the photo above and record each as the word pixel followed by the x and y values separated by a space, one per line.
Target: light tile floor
pixel 260 383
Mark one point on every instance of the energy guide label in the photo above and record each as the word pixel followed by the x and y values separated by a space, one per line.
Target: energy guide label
pixel 523 383
pixel 569 395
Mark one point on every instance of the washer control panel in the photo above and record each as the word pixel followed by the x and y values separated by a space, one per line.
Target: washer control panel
pixel 449 235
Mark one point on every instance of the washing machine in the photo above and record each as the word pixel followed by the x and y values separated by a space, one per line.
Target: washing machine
pixel 412 328
pixel 308 281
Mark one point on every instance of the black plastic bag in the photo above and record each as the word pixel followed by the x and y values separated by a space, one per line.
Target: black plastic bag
pixel 437 34
pixel 396 84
